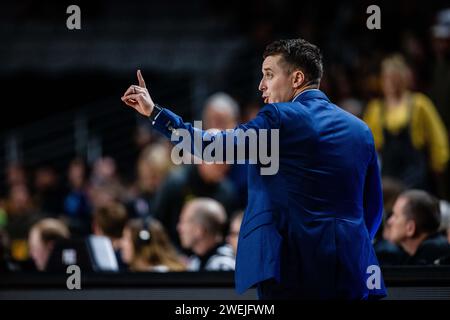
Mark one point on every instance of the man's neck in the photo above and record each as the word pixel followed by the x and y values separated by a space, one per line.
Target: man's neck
pixel 204 246
pixel 299 91
pixel 411 245
pixel 115 243
pixel 395 99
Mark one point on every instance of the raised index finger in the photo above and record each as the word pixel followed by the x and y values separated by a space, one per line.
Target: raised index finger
pixel 141 79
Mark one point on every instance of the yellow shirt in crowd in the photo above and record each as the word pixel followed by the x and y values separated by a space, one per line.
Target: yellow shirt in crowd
pixel 427 128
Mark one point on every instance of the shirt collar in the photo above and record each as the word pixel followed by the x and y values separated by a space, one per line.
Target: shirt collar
pixel 299 94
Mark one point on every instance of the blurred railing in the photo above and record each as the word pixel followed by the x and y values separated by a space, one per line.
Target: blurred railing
pixel 403 283
pixel 57 139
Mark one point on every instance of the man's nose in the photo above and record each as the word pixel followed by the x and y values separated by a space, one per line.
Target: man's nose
pixel 261 86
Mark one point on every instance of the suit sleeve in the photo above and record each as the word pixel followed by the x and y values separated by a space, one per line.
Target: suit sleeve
pixel 174 128
pixel 373 196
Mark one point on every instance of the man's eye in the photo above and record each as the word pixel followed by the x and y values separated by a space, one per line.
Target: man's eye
pixel 269 75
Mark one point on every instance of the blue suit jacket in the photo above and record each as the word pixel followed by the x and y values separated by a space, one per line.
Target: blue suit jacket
pixel 309 226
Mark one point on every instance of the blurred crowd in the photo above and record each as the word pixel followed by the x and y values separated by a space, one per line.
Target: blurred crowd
pixel 187 217
pixel 169 218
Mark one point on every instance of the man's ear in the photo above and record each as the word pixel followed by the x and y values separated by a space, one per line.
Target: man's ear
pixel 410 228
pixel 298 78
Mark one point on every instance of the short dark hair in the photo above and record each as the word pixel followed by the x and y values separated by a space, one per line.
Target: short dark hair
pixel 423 208
pixel 111 219
pixel 298 54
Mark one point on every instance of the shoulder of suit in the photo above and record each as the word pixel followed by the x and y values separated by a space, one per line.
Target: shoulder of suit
pixel 271 107
pixel 273 111
pixel 285 107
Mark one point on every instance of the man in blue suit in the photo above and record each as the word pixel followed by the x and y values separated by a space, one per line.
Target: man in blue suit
pixel 307 231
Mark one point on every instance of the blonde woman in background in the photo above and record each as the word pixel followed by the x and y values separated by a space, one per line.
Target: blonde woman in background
pixel 409 134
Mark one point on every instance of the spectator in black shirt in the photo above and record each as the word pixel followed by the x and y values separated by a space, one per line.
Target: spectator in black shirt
pixel 201 228
pixel 414 227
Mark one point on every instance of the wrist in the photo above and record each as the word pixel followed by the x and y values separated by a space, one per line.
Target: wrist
pixel 155 112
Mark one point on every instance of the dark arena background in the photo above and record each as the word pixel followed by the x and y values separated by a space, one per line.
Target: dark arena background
pixel 83 177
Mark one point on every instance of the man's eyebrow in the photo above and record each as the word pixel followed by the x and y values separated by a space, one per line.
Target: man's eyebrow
pixel 267 69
